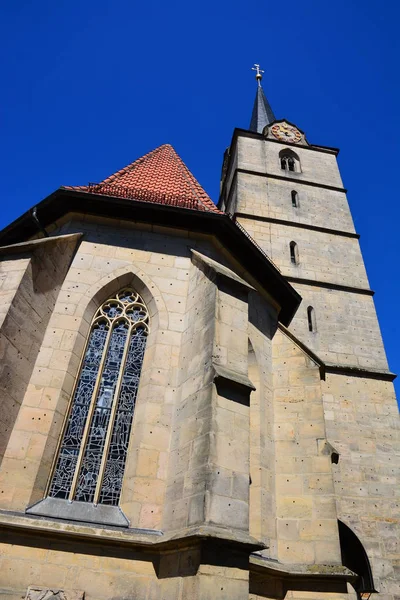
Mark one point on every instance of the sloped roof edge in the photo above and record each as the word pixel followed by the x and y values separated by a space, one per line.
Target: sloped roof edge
pixel 218 224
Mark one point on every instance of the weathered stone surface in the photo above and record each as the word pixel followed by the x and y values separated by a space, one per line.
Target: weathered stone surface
pixel 37 593
pixel 237 444
pixel 354 473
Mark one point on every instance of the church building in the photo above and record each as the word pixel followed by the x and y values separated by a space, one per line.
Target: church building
pixel 195 402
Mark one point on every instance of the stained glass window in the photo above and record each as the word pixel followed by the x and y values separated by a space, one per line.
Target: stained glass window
pixel 93 451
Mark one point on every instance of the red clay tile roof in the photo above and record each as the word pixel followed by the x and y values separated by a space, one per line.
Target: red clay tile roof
pixel 159 176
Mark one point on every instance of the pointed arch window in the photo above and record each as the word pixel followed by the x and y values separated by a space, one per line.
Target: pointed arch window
pixel 289 161
pixel 294 253
pixel 312 323
pixel 295 199
pixel 92 455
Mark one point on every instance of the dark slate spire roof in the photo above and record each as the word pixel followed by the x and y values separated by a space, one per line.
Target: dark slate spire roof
pixel 262 112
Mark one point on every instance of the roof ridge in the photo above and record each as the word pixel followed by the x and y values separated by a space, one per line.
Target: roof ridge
pixel 160 176
pixel 138 161
pixel 188 176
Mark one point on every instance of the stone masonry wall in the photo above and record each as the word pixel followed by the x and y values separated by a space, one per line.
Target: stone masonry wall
pixel 271 198
pixel 102 575
pixel 322 256
pixel 307 530
pixel 362 423
pixel 262 156
pixel 29 287
pixel 347 328
pixel 108 259
pixel 187 308
pixel 262 327
pixel 189 450
pixel 360 415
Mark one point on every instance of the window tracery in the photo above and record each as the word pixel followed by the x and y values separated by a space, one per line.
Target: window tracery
pixel 93 451
pixel 289 161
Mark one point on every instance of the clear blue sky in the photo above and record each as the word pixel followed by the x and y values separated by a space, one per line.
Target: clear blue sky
pixel 89 86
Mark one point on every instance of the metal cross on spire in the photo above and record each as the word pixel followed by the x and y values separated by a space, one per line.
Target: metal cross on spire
pixel 258 73
pixel 262 112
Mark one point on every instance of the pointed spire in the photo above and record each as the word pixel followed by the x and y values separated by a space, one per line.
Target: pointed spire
pixel 262 112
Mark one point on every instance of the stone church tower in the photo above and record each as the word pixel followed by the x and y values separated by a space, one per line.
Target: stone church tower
pixel 195 400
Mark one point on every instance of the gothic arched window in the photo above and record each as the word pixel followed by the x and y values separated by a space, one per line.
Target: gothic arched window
pixel 295 199
pixel 92 455
pixel 294 253
pixel 289 161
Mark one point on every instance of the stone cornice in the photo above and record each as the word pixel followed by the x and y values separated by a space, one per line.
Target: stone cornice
pixel 328 578
pixel 271 176
pixel 354 371
pixel 316 359
pixel 332 286
pixel 143 539
pixel 220 270
pixel 297 224
pixel 349 370
pixel 252 134
pixel 275 568
pixel 296 180
pixel 31 245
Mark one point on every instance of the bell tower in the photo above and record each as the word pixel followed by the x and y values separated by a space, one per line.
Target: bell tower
pixel 287 193
pixel 289 196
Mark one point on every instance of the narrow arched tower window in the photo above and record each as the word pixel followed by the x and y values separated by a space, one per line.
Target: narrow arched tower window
pixel 294 253
pixel 295 199
pixel 92 455
pixel 312 324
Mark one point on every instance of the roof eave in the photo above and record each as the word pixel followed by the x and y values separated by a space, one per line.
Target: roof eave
pixel 64 201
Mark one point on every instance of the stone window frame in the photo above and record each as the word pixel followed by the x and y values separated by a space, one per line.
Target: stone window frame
pixel 115 311
pixel 289 161
pixel 90 513
pixel 311 319
pixel 294 253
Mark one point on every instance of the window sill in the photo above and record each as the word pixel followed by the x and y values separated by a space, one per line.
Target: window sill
pixel 100 514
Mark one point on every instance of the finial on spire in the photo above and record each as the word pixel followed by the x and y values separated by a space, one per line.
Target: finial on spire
pixel 258 73
pixel 262 112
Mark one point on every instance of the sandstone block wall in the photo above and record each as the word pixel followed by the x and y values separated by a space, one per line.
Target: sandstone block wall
pixel 359 415
pixel 189 455
pixel 29 286
pixel 347 328
pixel 264 196
pixel 201 455
pixel 362 422
pixel 322 256
pixel 307 530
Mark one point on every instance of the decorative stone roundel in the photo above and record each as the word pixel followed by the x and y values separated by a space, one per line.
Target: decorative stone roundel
pixel 286 133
